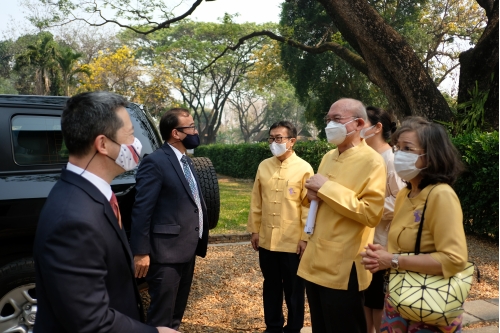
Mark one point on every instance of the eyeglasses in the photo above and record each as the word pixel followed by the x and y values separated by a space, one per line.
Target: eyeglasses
pixel 336 119
pixel 277 139
pixel 190 127
pixel 405 149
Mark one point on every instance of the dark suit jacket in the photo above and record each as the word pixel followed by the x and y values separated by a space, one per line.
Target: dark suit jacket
pixel 165 216
pixel 84 268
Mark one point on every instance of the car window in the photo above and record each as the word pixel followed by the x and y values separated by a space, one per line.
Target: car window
pixel 38 140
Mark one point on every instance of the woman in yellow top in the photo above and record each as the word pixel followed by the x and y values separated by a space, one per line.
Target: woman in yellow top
pixel 426 159
pixel 378 130
pixel 277 218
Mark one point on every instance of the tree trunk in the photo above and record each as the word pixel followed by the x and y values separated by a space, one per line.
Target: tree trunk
pixel 480 63
pixel 392 64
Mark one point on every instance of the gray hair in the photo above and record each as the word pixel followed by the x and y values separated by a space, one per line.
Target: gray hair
pixel 357 108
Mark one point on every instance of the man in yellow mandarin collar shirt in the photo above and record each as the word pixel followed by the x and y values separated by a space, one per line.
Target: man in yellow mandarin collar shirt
pixel 350 188
pixel 276 220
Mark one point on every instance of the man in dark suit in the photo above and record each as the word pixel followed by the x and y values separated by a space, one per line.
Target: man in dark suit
pixel 84 267
pixel 169 220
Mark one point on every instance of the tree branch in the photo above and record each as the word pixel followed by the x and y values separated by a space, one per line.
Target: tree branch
pixel 159 26
pixel 350 57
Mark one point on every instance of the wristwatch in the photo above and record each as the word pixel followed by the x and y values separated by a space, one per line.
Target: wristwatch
pixel 395 261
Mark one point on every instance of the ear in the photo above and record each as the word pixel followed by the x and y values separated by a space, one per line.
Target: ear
pixel 293 140
pixel 175 134
pixel 378 127
pixel 361 124
pixel 102 144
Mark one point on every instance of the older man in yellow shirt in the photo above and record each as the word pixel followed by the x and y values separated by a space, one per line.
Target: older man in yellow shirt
pixel 350 188
pixel 276 220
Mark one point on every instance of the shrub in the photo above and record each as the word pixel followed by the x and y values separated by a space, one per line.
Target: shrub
pixel 477 188
pixel 242 160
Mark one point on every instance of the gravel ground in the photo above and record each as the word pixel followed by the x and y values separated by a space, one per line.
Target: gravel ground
pixel 227 288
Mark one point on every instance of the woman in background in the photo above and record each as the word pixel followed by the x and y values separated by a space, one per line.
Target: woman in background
pixel 377 132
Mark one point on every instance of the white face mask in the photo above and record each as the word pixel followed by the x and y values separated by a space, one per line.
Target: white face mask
pixel 363 135
pixel 404 164
pixel 337 132
pixel 128 158
pixel 278 149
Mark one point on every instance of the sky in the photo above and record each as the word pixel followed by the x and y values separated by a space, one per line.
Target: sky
pixel 259 11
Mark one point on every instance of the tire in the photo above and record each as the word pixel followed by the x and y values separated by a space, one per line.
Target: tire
pixel 18 303
pixel 209 188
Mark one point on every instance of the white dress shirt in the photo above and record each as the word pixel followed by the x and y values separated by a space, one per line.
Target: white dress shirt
pixel 98 182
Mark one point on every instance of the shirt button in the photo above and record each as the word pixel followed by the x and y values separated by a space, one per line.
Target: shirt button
pixel 274 214
pixel 196 228
pixel 196 210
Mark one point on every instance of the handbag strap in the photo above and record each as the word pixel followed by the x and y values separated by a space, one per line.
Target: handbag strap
pixel 419 234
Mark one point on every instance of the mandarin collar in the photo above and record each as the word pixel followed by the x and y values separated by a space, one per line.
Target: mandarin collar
pixel 350 151
pixel 285 162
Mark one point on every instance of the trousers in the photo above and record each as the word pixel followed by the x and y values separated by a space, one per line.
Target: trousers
pixel 169 287
pixel 337 311
pixel 280 278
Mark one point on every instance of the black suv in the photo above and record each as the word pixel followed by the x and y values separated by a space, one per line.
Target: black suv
pixel 32 153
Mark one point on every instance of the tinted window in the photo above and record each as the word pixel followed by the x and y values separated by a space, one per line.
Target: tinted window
pixel 38 140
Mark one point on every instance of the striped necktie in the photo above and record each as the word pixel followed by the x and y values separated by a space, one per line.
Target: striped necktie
pixel 192 186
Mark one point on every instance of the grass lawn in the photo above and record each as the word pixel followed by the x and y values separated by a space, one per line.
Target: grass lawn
pixel 234 205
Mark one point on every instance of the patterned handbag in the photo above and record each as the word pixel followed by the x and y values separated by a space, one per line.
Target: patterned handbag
pixel 432 299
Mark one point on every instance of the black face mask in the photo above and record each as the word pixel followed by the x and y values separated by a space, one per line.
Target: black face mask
pixel 191 141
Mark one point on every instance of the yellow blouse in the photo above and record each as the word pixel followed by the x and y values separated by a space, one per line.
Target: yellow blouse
pixel 443 232
pixel 352 205
pixel 278 210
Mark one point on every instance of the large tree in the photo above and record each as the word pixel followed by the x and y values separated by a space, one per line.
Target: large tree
pixel 374 48
pixel 41 56
pixel 189 47
pixel 479 65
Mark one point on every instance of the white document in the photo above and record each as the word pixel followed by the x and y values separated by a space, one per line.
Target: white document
pixel 311 217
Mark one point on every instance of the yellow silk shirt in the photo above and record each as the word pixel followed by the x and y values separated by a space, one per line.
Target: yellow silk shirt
pixel 352 205
pixel 277 210
pixel 443 233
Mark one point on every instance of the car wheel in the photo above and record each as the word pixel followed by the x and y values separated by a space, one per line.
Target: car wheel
pixel 18 303
pixel 209 188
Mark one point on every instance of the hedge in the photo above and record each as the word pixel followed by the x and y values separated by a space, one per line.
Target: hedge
pixel 477 188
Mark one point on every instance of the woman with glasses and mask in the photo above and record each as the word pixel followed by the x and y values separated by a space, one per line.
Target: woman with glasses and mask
pixel 428 162
pixel 277 219
pixel 377 133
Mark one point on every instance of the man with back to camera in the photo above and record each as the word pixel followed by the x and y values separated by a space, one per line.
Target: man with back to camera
pixel 276 220
pixel 84 268
pixel 169 220
pixel 350 187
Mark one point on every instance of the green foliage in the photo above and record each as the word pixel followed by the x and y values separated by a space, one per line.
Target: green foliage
pixel 477 188
pixel 6 87
pixel 469 115
pixel 472 111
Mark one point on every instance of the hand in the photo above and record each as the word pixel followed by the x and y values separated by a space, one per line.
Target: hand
pixel 255 241
pixel 141 262
pixel 166 330
pixel 315 182
pixel 312 195
pixel 301 247
pixel 376 258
